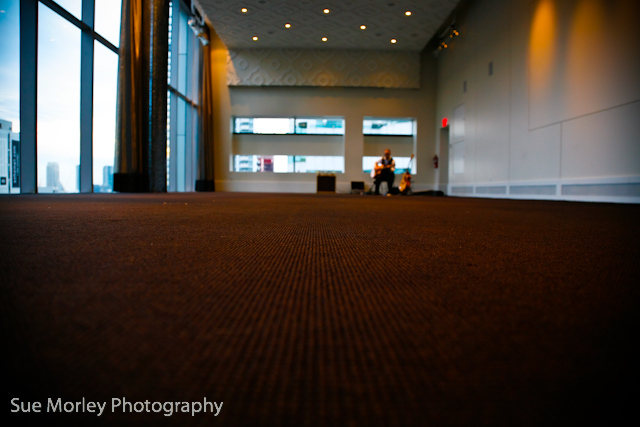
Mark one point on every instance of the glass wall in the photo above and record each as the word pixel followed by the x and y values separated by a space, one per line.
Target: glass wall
pixel 320 126
pixel 58 103
pixel 9 96
pixel 182 99
pixel 288 164
pixel 76 72
pixel 105 90
pixel 377 126
pixel 289 125
pixel 107 21
pixel 72 6
pixel 76 89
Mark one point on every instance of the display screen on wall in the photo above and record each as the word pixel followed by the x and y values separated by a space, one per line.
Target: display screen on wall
pixel 380 126
pixel 289 125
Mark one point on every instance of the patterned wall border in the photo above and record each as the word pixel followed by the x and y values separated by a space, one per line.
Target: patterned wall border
pixel 326 67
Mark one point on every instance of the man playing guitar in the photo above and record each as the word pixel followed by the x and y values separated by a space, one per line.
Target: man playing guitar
pixel 383 170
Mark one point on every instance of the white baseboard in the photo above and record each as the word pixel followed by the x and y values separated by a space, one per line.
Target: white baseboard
pixel 621 189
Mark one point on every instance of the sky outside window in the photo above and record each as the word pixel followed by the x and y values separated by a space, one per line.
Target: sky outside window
pixel 72 6
pixel 276 126
pixel 105 88
pixel 58 100
pixel 107 22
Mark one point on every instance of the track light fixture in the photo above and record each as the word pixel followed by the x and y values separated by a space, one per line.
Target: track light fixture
pixel 200 31
pixel 445 37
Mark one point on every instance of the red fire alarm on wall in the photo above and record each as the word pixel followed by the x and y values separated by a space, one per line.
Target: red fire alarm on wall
pixel 445 122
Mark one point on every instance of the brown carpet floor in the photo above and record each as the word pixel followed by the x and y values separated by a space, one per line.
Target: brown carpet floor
pixel 319 310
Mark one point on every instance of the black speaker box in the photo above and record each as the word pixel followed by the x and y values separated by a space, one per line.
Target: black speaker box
pixel 326 183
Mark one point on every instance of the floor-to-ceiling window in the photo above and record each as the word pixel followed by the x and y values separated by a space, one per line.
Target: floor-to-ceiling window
pixel 9 96
pixel 58 103
pixel 76 69
pixel 105 89
pixel 182 114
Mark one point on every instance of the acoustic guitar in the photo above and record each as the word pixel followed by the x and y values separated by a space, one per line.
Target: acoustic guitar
pixel 377 170
pixel 405 184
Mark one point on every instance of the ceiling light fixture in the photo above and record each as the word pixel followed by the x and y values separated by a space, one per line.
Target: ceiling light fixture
pixel 287 25
pixel 324 39
pixel 363 27
pixel 326 11
pixel 255 38
pixel 408 13
pixel 244 10
pixel 394 41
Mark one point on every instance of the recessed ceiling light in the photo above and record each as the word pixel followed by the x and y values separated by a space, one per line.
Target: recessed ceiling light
pixel 408 13
pixel 287 25
pixel 363 27
pixel 326 11
pixel 244 10
pixel 255 38
pixel 394 41
pixel 324 39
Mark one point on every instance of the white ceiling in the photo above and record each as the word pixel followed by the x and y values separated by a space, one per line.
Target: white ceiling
pixel 385 19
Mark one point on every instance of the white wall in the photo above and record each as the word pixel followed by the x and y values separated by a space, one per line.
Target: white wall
pixel 351 103
pixel 289 145
pixel 560 116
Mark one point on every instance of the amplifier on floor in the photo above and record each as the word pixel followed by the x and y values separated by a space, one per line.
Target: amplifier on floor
pixel 357 187
pixel 326 183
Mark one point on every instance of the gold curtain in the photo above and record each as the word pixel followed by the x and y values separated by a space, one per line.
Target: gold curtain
pixel 206 176
pixel 132 124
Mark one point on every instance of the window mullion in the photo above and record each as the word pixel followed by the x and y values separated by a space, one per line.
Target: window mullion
pixel 68 15
pixel 86 97
pixel 107 43
pixel 28 96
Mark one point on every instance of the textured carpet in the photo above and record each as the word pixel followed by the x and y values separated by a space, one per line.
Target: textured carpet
pixel 320 310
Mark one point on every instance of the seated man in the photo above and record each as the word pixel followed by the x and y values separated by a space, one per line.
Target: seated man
pixel 383 171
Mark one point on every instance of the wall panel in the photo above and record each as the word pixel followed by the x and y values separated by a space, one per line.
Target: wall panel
pixel 603 144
